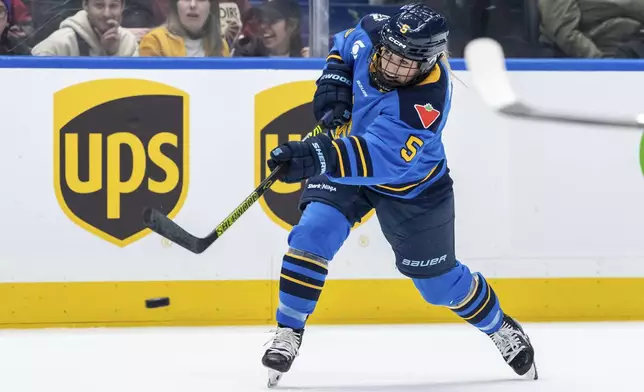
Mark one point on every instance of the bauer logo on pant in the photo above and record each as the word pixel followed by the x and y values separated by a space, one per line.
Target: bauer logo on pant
pixel 120 145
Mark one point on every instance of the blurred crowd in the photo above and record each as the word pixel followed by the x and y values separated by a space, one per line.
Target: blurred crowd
pixel 280 28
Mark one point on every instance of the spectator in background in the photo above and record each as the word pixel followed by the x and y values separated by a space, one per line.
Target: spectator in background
pixel 138 16
pixel 93 31
pixel 141 16
pixel 5 9
pixel 593 28
pixel 192 30
pixel 230 13
pixel 15 24
pixel 272 30
pixel 21 28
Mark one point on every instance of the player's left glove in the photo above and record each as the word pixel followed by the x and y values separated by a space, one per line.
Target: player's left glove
pixel 335 93
pixel 312 157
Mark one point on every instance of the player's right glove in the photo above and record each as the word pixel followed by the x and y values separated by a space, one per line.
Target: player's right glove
pixel 304 159
pixel 334 92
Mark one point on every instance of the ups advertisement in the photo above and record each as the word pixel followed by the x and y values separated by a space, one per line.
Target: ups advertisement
pixel 284 113
pixel 120 145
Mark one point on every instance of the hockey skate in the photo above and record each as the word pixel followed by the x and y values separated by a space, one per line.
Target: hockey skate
pixel 516 349
pixel 280 356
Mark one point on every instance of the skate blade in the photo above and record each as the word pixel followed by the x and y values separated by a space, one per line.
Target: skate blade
pixel 273 378
pixel 532 374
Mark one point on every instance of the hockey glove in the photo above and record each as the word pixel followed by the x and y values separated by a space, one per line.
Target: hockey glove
pixel 312 157
pixel 334 92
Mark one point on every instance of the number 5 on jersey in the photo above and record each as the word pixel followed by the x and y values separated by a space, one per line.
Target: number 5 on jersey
pixel 412 145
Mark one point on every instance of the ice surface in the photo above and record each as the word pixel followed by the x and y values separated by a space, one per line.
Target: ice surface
pixel 435 358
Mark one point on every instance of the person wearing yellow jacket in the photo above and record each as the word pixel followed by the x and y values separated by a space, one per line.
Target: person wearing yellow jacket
pixel 192 30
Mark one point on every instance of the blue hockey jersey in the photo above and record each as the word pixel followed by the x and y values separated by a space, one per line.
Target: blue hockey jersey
pixel 393 143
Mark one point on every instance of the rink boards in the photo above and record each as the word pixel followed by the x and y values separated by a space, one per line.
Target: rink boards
pixel 552 214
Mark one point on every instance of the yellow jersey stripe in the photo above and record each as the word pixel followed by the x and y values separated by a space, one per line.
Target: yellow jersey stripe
pixel 337 149
pixel 409 186
pixel 364 164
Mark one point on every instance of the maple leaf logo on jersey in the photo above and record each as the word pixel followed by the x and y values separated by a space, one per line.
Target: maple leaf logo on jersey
pixel 427 114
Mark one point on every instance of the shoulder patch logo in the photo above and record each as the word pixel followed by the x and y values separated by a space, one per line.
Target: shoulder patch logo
pixel 427 114
pixel 356 48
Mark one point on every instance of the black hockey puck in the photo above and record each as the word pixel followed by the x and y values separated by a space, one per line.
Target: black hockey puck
pixel 157 302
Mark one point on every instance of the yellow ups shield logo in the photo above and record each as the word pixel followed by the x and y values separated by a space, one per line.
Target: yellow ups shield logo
pixel 283 113
pixel 120 145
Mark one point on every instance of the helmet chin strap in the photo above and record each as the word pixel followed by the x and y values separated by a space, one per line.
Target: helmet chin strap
pixel 429 64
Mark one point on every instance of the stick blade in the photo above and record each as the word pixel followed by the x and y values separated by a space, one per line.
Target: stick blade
pixel 166 227
pixel 640 120
pixel 486 63
pixel 521 110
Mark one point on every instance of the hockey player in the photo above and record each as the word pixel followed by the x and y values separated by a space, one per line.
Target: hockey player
pixel 387 82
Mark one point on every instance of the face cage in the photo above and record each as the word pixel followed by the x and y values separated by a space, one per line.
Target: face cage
pixel 377 73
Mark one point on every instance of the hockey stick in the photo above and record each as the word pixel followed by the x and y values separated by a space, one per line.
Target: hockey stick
pixel 486 63
pixel 166 227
